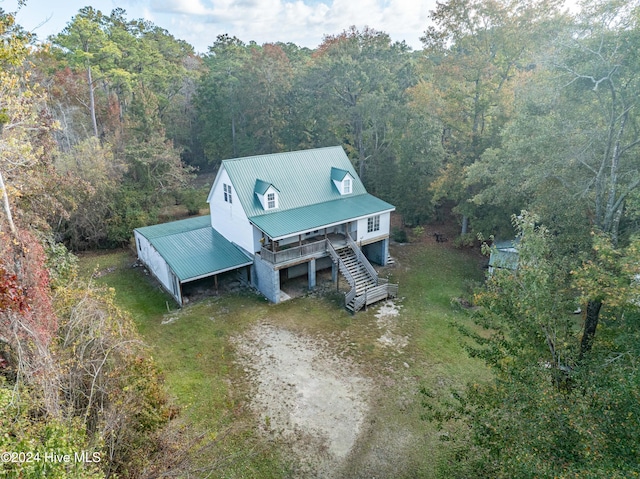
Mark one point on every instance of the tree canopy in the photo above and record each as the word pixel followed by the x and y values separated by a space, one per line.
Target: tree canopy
pixel 510 108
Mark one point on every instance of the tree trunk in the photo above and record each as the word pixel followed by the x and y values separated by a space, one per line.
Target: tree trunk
pixel 7 207
pixel 465 225
pixel 92 102
pixel 590 324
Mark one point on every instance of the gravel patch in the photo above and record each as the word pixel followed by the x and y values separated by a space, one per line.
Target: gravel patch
pixel 304 396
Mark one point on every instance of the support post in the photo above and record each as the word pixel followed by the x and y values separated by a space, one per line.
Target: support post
pixel 312 273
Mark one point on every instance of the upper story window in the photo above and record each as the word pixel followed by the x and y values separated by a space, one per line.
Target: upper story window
pixel 267 194
pixel 343 180
pixel 373 224
pixel 346 186
pixel 227 193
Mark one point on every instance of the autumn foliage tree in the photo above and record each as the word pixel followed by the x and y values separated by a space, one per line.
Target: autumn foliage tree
pixel 475 50
pixel 74 375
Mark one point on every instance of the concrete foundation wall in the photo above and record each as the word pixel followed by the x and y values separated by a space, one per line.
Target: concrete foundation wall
pixel 265 279
pixel 302 269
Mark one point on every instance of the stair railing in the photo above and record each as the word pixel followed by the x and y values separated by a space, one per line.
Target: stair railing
pixel 362 259
pixel 348 297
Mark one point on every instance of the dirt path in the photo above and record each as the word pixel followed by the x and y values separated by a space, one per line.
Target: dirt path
pixel 305 396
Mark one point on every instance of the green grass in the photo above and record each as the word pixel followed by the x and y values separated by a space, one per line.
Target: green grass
pixel 194 350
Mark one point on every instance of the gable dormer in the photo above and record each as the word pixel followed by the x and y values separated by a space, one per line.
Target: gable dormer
pixel 267 195
pixel 342 180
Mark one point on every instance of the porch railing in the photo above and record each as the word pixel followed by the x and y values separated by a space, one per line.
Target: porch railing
pixel 296 252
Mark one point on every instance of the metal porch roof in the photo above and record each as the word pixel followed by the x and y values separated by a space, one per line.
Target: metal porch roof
pixel 307 218
pixel 193 249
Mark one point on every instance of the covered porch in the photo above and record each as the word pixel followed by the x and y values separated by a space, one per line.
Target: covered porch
pixel 290 253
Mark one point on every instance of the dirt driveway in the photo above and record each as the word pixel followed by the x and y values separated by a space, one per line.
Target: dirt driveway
pixel 312 401
pixel 304 396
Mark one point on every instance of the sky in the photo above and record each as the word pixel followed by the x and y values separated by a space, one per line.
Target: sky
pixel 199 22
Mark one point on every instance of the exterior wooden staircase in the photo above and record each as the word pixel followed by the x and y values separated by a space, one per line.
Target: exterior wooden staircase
pixel 362 278
pixel 366 287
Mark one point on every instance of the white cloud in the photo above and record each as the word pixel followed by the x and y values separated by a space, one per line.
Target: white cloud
pixel 303 22
pixel 186 7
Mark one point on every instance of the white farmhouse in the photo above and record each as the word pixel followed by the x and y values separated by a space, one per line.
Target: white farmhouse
pixel 289 214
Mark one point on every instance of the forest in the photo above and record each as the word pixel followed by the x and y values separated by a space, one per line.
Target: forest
pixel 514 119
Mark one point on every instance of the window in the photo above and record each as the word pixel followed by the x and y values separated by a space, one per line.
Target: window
pixel 373 224
pixel 346 186
pixel 227 193
pixel 271 201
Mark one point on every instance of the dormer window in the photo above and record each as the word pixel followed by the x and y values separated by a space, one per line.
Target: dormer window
pixel 267 194
pixel 343 181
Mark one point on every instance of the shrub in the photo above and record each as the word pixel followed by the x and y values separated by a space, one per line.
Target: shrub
pixel 417 232
pixel 399 235
pixel 193 199
pixel 467 240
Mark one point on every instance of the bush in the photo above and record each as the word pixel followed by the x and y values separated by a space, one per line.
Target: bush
pixel 467 240
pixel 399 235
pixel 193 199
pixel 130 208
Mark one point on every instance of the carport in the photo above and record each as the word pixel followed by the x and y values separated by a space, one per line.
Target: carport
pixel 188 250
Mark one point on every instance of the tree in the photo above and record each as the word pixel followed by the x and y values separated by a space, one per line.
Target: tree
pixel 271 76
pixel 575 135
pixel 547 412
pixel 90 49
pixel 600 67
pixel 30 437
pixel 98 175
pixel 27 321
pixel 108 381
pixel 475 49
pixel 219 99
pixel 354 90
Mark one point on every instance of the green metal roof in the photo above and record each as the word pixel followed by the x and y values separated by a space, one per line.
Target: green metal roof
pixel 307 196
pixel 337 174
pixel 306 218
pixel 193 249
pixel 262 187
pixel 303 178
pixel 174 227
pixel 504 254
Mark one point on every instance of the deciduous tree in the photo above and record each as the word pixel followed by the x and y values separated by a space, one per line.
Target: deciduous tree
pixel 549 411
pixel 474 50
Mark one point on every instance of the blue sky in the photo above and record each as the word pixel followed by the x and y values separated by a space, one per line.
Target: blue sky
pixel 303 22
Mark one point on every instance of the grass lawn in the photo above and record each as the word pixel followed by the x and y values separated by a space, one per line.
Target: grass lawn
pixel 194 348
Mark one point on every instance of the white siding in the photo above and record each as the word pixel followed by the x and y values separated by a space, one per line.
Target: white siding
pixel 385 224
pixel 257 236
pixel 229 219
pixel 157 266
pixel 340 185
